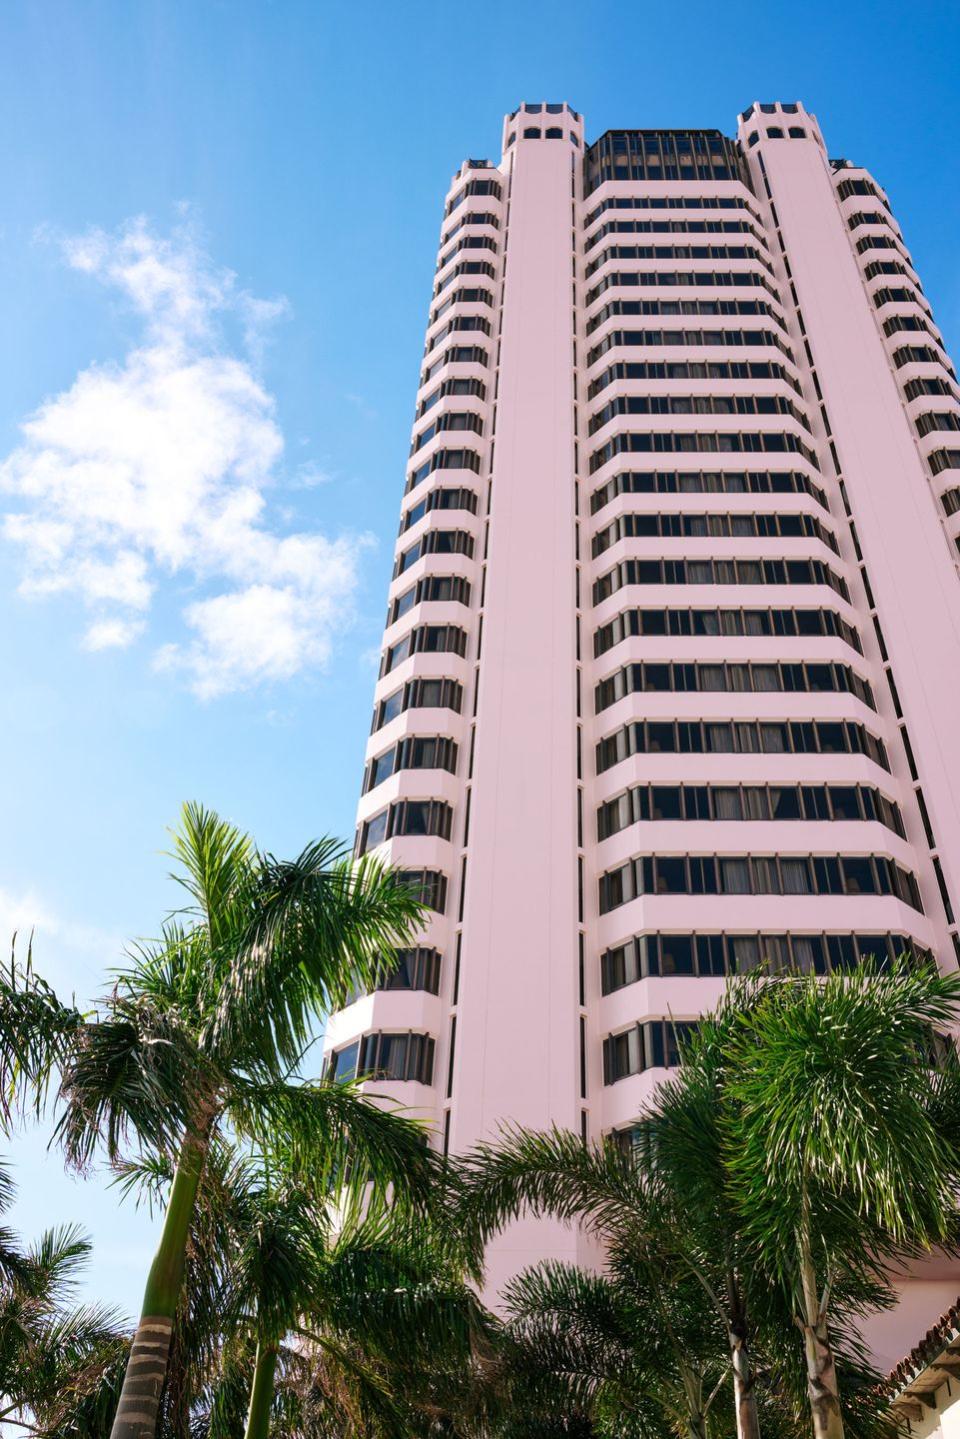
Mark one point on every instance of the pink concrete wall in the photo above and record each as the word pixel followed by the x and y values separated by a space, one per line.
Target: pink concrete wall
pixel 517 1055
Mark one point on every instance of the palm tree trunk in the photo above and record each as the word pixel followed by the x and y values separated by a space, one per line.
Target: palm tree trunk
pixel 741 1361
pixel 823 1391
pixel 744 1391
pixel 693 1388
pixel 261 1394
pixel 136 1416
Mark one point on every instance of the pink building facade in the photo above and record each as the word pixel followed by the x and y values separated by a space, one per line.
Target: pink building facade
pixel 671 668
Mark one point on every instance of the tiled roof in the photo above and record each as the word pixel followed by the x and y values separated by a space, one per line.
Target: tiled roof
pixel 945 1332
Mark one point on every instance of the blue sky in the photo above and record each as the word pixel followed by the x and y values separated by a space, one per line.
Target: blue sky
pixel 217 231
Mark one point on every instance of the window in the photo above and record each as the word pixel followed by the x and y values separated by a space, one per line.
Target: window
pixel 649 956
pixel 406 817
pixel 432 589
pixel 439 499
pixel 746 802
pixel 696 405
pixel 725 572
pixel 412 752
pixel 635 622
pixel 531 133
pixel 683 307
pixel 752 441
pixel 705 482
pixel 434 542
pixel 720 526
pixel 399 1057
pixel 429 887
pixel 665 339
pixel 426 639
pixel 656 677
pixel 342 1063
pixel 418 694
pixel 757 874
pixel 654 1045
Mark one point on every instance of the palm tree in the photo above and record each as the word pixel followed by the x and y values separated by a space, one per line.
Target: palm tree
pixel 205 1029
pixel 58 1358
pixel 639 1358
pixel 841 1140
pixel 295 1300
pixel 611 1194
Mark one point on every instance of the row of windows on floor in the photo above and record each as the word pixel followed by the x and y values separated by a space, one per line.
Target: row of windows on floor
pixel 897 295
pixel 671 202
pixel 775 132
pixel 879 242
pixel 664 339
pixel 868 217
pixel 407 817
pixel 940 420
pixel 648 956
pixel 706 482
pixel 677 252
pixel 413 969
pixel 469 242
pixel 478 324
pixel 471 296
pixel 384 1056
pixel 746 802
pixel 790 623
pixel 472 217
pixel 619 168
pixel 817 874
pixel 738 525
pixel 418 694
pixel 674 227
pixel 663 155
pixel 846 188
pixel 929 385
pixel 691 370
pixel 653 1045
pixel 782 677
pixel 453 386
pixel 678 279
pixel 425 639
pixel 449 420
pixel 435 542
pixel 685 307
pixel 717 572
pixel 950 499
pixel 456 355
pixel 696 405
pixel 451 498
pixel 739 737
pixel 443 460
pixel 898 324
pixel 463 267
pixel 474 187
pixel 413 752
pixel 536 132
pixel 439 589
pixel 890 267
pixel 921 355
pixel 750 442
pixel 940 460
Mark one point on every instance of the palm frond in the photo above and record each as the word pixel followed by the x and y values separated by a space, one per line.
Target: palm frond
pixel 333 1134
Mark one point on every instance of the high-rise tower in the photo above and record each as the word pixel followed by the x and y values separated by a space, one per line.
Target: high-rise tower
pixel 671 669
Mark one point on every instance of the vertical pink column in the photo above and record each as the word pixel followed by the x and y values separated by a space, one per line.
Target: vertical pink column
pixel 517 1040
pixel 912 572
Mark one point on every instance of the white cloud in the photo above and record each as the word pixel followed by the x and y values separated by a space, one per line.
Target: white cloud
pixel 70 954
pixel 158 466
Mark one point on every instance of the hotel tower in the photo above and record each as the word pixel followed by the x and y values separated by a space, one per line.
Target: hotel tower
pixel 670 680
